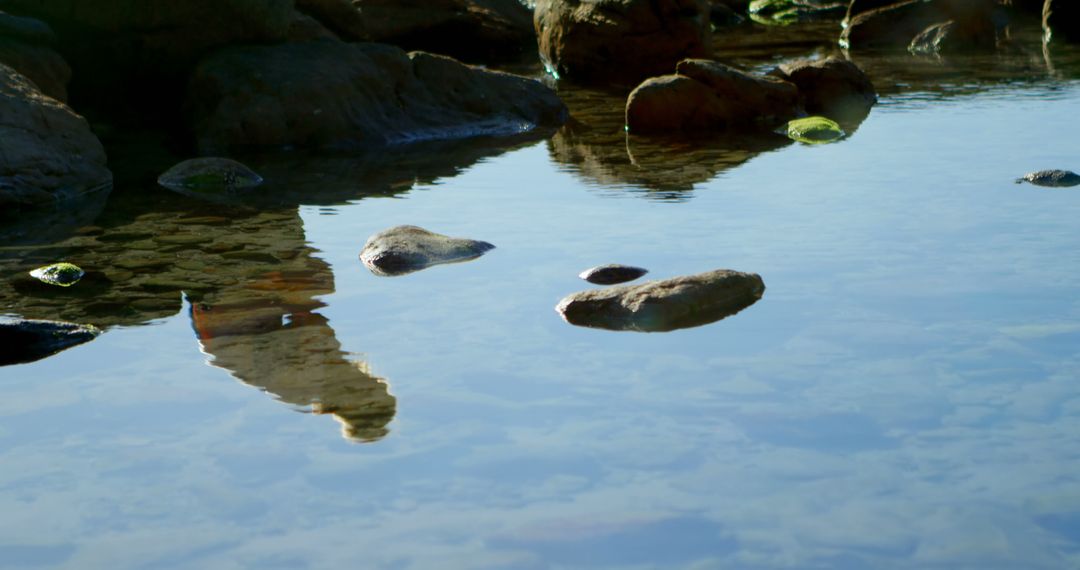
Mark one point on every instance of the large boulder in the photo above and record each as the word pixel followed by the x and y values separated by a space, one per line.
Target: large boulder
pixel 340 16
pixel 25 340
pixel 328 94
pixel 466 29
pixel 1061 19
pixel 660 306
pixel 708 95
pixel 971 24
pixel 47 152
pixel 622 41
pixel 25 46
pixel 832 87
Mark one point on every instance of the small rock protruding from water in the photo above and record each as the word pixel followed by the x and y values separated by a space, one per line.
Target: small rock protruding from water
pixel 813 130
pixel 1051 178
pixel 60 274
pixel 405 249
pixel 661 306
pixel 612 274
pixel 209 174
pixel 26 340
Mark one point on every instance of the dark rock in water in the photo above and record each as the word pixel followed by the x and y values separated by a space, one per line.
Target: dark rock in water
pixel 623 41
pixel 784 12
pixel 48 152
pixel 331 94
pixel 708 95
pixel 833 87
pixel 899 23
pixel 1051 178
pixel 59 274
pixel 1061 19
pixel 466 29
pixel 23 341
pixel 341 16
pixel 209 174
pixel 813 130
pixel 405 249
pixel 612 274
pixel 660 306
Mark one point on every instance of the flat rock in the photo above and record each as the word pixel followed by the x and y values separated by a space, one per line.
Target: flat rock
pixel 612 274
pixel 1051 178
pixel 331 94
pixel 660 306
pixel 23 340
pixel 405 249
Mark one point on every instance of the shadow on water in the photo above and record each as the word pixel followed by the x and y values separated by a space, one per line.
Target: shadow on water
pixel 243 264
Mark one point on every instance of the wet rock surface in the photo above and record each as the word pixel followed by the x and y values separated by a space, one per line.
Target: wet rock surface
pixel 327 94
pixel 466 29
pixel 59 274
pixel 1051 178
pixel 621 41
pixel 24 340
pixel 813 130
pixel 937 24
pixel 661 306
pixel 26 46
pixel 405 249
pixel 833 87
pixel 209 174
pixel 47 152
pixel 612 274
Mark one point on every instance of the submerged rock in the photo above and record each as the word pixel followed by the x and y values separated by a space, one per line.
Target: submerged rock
pixel 59 274
pixel 623 41
pixel 833 87
pixel 612 274
pixel 1051 178
pixel 405 249
pixel 23 340
pixel 660 306
pixel 813 130
pixel 209 174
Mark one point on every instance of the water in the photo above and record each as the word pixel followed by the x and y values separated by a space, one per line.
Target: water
pixel 904 395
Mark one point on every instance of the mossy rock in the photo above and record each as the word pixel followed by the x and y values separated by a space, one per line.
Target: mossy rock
pixel 209 174
pixel 60 274
pixel 813 130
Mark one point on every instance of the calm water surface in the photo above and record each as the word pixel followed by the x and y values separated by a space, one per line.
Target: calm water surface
pixel 904 396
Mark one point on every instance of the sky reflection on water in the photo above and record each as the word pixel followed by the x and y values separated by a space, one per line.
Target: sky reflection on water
pixel 903 397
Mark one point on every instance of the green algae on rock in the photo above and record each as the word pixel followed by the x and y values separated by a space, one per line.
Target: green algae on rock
pixel 209 174
pixel 813 130
pixel 60 274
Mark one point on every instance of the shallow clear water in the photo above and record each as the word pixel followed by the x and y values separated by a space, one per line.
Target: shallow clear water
pixel 904 395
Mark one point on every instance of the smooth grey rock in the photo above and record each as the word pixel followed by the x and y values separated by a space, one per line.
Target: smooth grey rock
pixel 1051 178
pixel 405 249
pixel 661 306
pixel 23 340
pixel 612 274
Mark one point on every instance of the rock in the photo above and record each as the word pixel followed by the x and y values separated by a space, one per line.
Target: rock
pixel 405 249
pixel 1061 20
pixel 1051 178
pixel 40 64
pixel 708 95
pixel 833 87
pixel 340 16
pixel 47 152
pixel 721 15
pixel 23 341
pixel 466 29
pixel 784 12
pixel 304 28
pixel 623 41
pixel 612 274
pixel 898 24
pixel 60 274
pixel 813 130
pixel 856 7
pixel 27 30
pixel 660 306
pixel 209 174
pixel 326 94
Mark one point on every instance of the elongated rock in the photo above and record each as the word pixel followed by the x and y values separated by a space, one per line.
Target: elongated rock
pixel 23 340
pixel 1051 178
pixel 661 306
pixel 612 274
pixel 405 249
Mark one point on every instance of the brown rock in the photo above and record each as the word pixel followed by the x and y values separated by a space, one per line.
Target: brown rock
pixel 708 95
pixel 661 306
pixel 832 87
pixel 898 24
pixel 327 94
pixel 47 152
pixel 621 41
